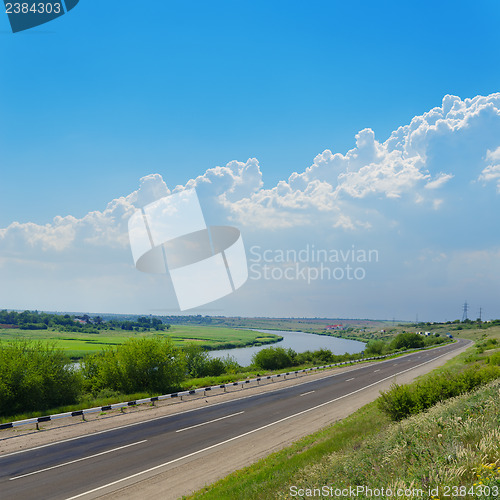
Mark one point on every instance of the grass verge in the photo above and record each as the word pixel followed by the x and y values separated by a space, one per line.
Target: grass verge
pixel 452 446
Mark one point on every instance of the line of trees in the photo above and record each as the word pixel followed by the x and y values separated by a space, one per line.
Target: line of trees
pixel 34 320
pixel 403 341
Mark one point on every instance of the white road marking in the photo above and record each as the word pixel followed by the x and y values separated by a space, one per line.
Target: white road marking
pixel 216 445
pixel 376 371
pixel 349 379
pixel 209 422
pixel 361 367
pixel 77 460
pixel 305 393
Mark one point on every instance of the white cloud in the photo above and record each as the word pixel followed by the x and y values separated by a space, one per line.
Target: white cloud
pixel 492 171
pixel 439 181
pixel 395 194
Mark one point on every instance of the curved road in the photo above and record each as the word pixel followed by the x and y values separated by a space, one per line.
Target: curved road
pixel 89 466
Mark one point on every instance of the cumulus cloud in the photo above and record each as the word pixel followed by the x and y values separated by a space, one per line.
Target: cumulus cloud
pixel 492 171
pixel 234 181
pixel 415 163
pixel 429 181
pixel 355 191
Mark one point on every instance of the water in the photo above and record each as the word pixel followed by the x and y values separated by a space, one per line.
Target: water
pixel 298 341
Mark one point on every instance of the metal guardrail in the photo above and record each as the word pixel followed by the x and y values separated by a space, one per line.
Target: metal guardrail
pixel 116 406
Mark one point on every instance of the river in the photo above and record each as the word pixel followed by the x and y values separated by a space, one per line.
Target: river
pixel 298 341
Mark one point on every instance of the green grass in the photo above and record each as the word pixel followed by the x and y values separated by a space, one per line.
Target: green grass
pixel 454 443
pixel 76 345
pixel 262 480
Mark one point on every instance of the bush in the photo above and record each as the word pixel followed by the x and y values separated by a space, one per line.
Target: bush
pixel 214 367
pixel 152 365
pixel 375 348
pixel 196 360
pixel 402 401
pixel 35 376
pixel 494 359
pixel 407 341
pixel 274 358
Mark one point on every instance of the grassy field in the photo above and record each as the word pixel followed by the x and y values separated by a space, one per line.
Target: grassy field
pixel 308 325
pixel 454 444
pixel 79 344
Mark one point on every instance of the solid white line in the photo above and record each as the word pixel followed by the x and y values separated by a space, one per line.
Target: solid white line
pixel 305 393
pixel 209 422
pixel 78 460
pixel 349 379
pixel 361 367
pixel 156 467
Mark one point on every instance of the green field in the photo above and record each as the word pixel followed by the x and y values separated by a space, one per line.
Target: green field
pixel 79 344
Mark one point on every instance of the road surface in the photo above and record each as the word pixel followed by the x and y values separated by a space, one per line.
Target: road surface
pixel 99 464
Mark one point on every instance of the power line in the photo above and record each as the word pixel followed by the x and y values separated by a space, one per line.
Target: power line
pixel 465 310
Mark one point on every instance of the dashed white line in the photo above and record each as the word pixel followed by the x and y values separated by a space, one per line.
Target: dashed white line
pixel 141 422
pixel 376 371
pixel 210 421
pixel 216 445
pixel 349 379
pixel 305 393
pixel 77 460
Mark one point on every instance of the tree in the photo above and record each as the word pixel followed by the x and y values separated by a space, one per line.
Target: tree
pixel 407 341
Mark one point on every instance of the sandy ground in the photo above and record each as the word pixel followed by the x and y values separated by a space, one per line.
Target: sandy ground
pixel 190 474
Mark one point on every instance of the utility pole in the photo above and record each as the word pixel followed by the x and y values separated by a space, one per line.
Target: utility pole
pixel 465 310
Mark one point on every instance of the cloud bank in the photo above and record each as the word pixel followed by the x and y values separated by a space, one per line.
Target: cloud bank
pixel 414 191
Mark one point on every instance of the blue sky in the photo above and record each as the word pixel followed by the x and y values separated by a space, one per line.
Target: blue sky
pixel 114 91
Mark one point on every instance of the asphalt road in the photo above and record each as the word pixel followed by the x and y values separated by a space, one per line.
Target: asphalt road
pixel 81 467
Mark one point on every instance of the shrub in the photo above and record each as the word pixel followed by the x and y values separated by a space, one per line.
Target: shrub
pixel 274 358
pixel 407 341
pixel 375 348
pixel 214 367
pixel 196 360
pixel 152 365
pixel 402 401
pixel 494 359
pixel 35 376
